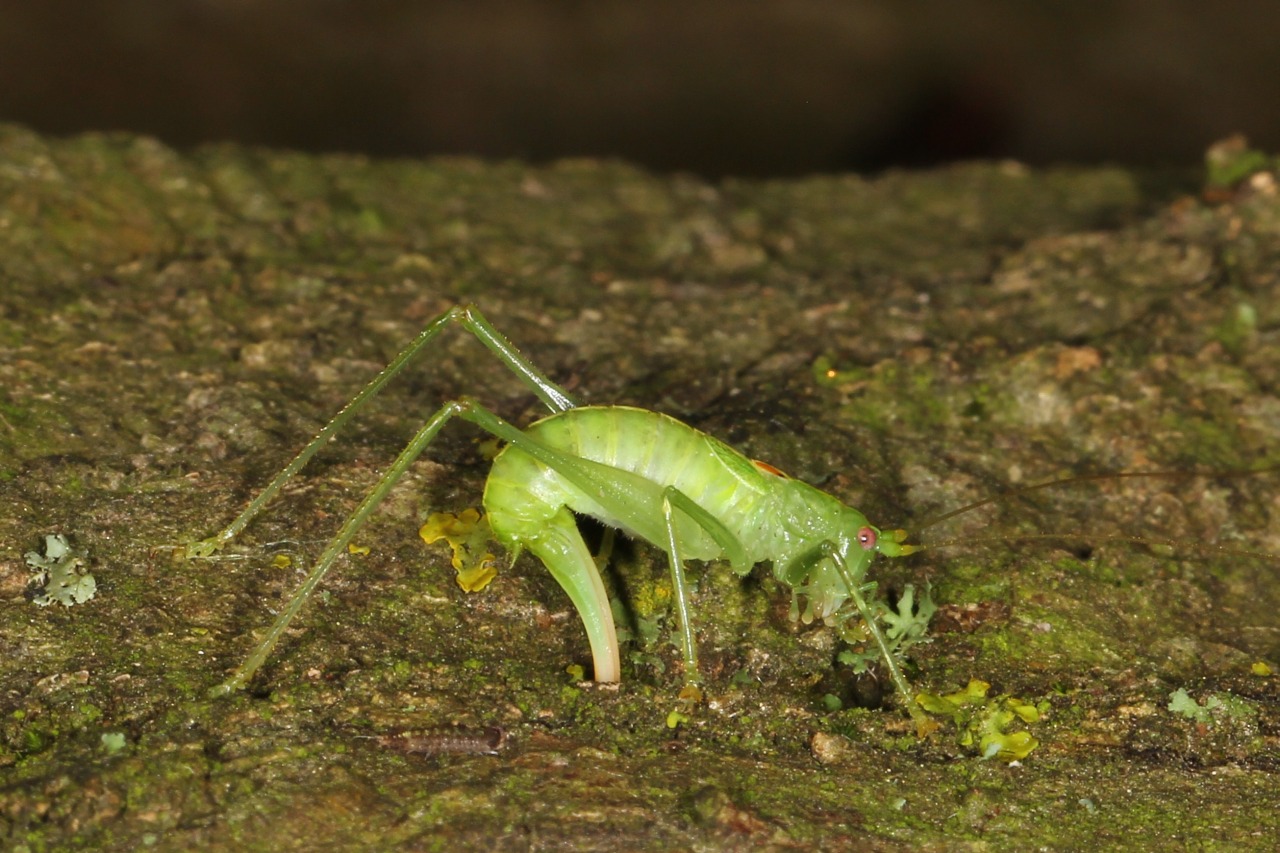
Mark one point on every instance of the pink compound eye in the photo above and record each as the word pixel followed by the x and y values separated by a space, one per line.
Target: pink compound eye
pixel 867 539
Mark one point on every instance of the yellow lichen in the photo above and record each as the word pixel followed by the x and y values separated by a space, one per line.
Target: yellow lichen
pixel 982 722
pixel 468 535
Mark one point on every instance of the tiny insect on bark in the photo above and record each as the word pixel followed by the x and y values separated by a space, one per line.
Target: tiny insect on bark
pixel 446 741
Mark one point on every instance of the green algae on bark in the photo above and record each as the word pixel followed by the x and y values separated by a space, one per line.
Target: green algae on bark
pixel 175 326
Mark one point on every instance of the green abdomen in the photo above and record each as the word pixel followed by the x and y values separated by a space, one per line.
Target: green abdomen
pixel 647 452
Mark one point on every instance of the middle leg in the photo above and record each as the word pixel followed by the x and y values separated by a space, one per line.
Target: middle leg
pixel 674 500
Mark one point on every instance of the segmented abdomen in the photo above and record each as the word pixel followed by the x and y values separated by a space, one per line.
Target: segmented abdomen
pixel 522 491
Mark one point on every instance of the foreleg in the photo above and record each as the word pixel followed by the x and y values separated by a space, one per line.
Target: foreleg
pixel 922 721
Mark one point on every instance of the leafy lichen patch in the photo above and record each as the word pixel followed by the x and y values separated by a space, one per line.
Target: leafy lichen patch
pixel 60 574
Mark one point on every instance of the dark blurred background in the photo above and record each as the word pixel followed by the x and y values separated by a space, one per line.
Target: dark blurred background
pixel 725 87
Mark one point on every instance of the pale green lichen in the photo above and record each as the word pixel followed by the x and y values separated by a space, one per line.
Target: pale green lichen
pixel 905 626
pixel 113 743
pixel 1215 707
pixel 1180 702
pixel 60 574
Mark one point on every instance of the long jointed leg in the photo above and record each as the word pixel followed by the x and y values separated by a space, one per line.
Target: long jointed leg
pixel 674 500
pixel 680 589
pixel 349 529
pixel 562 551
pixel 464 315
pixel 921 719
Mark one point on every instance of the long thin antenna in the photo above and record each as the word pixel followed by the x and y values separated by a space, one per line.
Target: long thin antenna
pixel 1128 539
pixel 1086 478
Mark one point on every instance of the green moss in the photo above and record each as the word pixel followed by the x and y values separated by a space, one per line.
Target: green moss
pixel 984 723
pixel 709 302
pixel 1231 161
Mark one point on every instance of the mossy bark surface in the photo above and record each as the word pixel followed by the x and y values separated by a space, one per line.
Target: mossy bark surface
pixel 173 327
